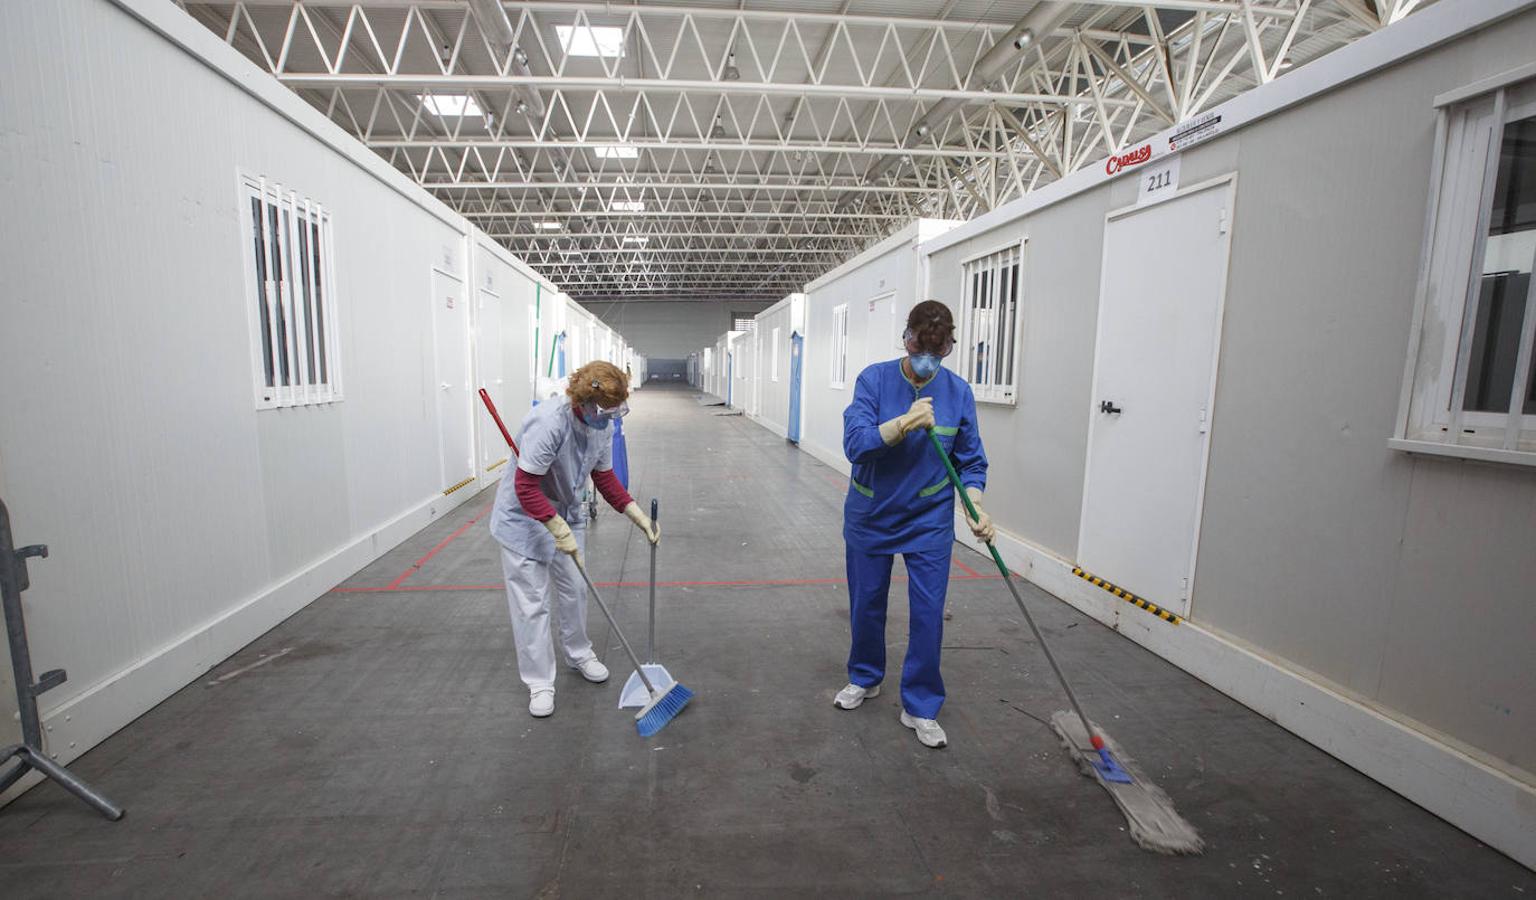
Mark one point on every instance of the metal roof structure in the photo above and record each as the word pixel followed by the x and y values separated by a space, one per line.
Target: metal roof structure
pixel 697 149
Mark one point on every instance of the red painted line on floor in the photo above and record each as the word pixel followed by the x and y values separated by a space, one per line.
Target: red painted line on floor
pixel 771 582
pixel 416 566
pixel 970 572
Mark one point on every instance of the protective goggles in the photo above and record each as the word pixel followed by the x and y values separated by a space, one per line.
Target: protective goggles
pixel 910 340
pixel 594 413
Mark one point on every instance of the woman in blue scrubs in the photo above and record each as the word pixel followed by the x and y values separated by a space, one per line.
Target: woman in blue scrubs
pixel 900 501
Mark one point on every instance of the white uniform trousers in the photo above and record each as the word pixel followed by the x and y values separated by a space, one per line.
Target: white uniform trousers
pixel 530 598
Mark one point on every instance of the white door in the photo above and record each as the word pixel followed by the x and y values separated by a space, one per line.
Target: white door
pixel 450 324
pixel 757 373
pixel 488 357
pixel 1160 306
pixel 882 339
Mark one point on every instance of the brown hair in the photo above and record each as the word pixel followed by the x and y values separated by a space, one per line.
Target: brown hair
pixel 932 326
pixel 598 381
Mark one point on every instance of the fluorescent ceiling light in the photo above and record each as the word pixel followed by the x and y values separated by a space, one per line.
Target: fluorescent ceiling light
pixel 445 105
pixel 615 151
pixel 627 206
pixel 636 240
pixel 590 40
pixel 550 226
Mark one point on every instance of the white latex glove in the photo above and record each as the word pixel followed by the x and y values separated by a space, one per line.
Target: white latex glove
pixel 917 418
pixel 982 528
pixel 650 529
pixel 565 541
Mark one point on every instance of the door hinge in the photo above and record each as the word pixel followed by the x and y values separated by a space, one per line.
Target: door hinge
pixel 1221 223
pixel 1205 420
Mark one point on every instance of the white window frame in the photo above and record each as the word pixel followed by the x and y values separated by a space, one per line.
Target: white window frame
pixel 314 376
pixel 1431 416
pixel 773 368
pixel 839 380
pixel 1005 335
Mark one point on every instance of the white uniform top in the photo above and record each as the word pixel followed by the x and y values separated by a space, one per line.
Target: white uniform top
pixel 563 451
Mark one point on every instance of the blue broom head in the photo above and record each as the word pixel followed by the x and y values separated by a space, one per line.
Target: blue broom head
pixel 1109 769
pixel 662 710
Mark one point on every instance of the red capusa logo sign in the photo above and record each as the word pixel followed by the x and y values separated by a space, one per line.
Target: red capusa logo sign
pixel 1126 160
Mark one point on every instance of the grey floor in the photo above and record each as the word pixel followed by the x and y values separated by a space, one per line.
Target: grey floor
pixel 385 749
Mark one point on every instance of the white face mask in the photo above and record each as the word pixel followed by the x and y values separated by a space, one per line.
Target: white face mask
pixel 924 365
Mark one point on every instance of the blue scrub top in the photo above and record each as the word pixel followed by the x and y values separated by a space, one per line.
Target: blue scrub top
pixel 900 500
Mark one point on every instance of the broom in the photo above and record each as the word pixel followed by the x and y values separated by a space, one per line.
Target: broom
pixel 664 705
pixel 1154 823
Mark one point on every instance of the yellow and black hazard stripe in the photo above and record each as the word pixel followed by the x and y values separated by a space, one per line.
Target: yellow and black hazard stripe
pixel 457 486
pixel 1127 596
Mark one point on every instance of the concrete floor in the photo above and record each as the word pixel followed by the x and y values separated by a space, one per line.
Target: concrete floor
pixel 386 750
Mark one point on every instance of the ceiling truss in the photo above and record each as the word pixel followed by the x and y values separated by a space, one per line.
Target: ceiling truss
pixel 739 153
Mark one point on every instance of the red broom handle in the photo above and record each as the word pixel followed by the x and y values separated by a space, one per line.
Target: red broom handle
pixel 491 408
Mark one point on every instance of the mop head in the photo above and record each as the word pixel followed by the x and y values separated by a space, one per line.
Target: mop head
pixel 663 709
pixel 1154 823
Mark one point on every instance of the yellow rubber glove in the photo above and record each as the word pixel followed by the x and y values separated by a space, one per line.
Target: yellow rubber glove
pixel 982 528
pixel 565 541
pixel 917 418
pixel 650 529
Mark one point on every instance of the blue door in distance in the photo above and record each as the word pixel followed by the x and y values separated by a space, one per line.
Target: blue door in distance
pixel 796 353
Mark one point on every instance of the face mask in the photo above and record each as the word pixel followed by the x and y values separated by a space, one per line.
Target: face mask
pixel 924 365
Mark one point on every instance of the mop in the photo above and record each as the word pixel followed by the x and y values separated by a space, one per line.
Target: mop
pixel 634 693
pixel 664 705
pixel 1154 823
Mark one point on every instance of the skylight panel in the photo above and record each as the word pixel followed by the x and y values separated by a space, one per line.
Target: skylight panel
pixel 615 151
pixel 591 40
pixel 450 105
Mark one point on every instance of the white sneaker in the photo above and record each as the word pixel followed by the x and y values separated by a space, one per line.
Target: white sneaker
pixel 928 731
pixel 851 696
pixel 593 671
pixel 541 704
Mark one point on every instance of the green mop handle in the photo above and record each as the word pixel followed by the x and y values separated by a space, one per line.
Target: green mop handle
pixel 970 509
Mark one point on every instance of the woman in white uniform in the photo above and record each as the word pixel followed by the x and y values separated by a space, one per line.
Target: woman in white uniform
pixel 541 526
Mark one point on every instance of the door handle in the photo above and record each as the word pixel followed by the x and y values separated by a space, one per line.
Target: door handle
pixel 446 385
pixel 1108 406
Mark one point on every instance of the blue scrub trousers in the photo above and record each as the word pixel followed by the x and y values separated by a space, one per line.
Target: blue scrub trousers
pixel 869 588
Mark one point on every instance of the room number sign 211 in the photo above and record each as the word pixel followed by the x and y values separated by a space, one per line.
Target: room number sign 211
pixel 1158 181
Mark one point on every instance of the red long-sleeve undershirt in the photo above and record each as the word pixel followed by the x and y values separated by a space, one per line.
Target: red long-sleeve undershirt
pixel 535 504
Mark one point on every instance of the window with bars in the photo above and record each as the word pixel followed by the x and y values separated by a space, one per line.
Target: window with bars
pixel 989 324
pixel 1472 383
pixel 840 346
pixel 291 298
pixel 742 323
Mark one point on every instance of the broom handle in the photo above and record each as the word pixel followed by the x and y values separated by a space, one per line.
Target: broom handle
pixel 650 647
pixel 491 407
pixel 970 509
pixel 615 625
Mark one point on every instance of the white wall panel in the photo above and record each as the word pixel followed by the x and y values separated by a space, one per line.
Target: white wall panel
pixel 183 522
pixel 1401 583
pixel 890 267
pixel 773 405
